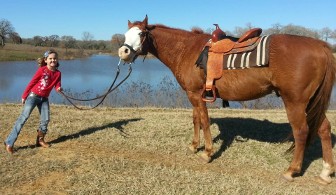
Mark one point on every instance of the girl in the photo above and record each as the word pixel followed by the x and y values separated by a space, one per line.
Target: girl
pixel 36 93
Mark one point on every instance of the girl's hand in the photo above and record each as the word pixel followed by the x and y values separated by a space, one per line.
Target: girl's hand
pixel 23 100
pixel 59 89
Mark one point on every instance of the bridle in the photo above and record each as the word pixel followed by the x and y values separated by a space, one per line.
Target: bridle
pixel 145 36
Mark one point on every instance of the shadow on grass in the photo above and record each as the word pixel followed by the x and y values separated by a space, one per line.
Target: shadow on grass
pixel 118 125
pixel 264 131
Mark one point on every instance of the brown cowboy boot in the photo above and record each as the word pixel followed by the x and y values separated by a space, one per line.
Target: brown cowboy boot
pixel 9 149
pixel 40 140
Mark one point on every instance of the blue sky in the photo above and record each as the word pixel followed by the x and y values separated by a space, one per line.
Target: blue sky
pixel 104 18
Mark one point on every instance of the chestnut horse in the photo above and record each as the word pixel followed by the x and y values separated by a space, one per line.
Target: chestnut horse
pixel 301 70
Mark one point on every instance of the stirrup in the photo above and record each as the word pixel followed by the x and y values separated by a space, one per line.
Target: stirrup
pixel 209 98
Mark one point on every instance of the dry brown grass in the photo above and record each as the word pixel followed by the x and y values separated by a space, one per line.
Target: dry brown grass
pixel 144 151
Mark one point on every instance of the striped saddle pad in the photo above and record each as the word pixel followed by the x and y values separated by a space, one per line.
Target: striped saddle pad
pixel 257 57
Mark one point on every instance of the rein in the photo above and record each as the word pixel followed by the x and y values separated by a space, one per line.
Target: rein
pixel 102 97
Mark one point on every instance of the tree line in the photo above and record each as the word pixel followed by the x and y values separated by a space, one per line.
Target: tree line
pixel 9 35
pixel 326 34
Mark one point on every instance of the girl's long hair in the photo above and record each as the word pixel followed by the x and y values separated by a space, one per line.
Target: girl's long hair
pixel 41 61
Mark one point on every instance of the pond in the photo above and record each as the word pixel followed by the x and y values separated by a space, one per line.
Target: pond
pixel 87 78
pixel 151 83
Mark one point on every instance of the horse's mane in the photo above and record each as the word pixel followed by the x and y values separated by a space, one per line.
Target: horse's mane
pixel 194 30
pixel 197 30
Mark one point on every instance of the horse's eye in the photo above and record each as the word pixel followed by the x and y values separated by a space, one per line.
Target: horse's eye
pixel 141 34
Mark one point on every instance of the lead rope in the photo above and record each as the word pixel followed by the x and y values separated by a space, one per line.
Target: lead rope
pixel 111 88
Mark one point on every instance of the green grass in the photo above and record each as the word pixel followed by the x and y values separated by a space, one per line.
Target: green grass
pixel 144 151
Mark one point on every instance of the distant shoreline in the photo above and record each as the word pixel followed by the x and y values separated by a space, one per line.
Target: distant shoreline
pixel 24 52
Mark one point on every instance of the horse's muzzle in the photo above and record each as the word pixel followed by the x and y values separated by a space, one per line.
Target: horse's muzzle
pixel 127 54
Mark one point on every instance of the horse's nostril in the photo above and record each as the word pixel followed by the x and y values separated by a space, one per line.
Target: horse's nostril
pixel 126 51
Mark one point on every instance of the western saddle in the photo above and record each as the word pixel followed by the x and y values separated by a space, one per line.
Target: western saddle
pixel 220 45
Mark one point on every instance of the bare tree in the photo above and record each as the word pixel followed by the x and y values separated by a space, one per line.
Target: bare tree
pixel 209 30
pixel 87 40
pixel 6 28
pixel 299 30
pixel 37 40
pixel 53 40
pixel 15 37
pixel 326 33
pixel 87 36
pixel 333 37
pixel 275 29
pixel 239 31
pixel 68 42
pixel 116 41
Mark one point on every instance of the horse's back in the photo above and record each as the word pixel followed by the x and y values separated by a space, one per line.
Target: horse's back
pixel 296 63
pixel 295 51
pixel 299 63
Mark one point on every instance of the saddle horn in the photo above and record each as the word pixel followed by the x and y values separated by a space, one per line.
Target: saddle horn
pixel 217 34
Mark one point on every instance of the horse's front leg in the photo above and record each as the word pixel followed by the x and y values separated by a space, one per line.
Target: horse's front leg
pixel 201 120
pixel 197 125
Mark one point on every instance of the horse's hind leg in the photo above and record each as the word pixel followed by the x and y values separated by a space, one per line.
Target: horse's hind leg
pixel 297 119
pixel 324 133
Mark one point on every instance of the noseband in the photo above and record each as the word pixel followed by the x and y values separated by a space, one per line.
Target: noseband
pixel 129 47
pixel 144 35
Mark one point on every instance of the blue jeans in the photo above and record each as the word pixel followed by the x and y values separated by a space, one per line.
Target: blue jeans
pixel 31 102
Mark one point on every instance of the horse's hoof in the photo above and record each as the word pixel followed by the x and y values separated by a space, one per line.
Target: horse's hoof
pixel 192 150
pixel 205 158
pixel 323 180
pixel 288 177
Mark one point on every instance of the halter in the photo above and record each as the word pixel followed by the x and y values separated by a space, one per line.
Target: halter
pixel 144 35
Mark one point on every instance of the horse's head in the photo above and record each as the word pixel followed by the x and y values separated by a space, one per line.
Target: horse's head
pixel 135 37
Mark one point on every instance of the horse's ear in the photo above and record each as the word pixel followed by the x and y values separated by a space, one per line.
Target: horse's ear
pixel 145 21
pixel 129 24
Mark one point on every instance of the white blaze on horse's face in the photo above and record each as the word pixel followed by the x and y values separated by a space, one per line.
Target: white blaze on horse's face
pixel 132 41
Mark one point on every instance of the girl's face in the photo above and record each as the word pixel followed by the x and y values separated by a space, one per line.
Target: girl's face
pixel 52 61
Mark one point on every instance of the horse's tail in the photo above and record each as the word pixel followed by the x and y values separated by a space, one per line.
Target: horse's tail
pixel 319 103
